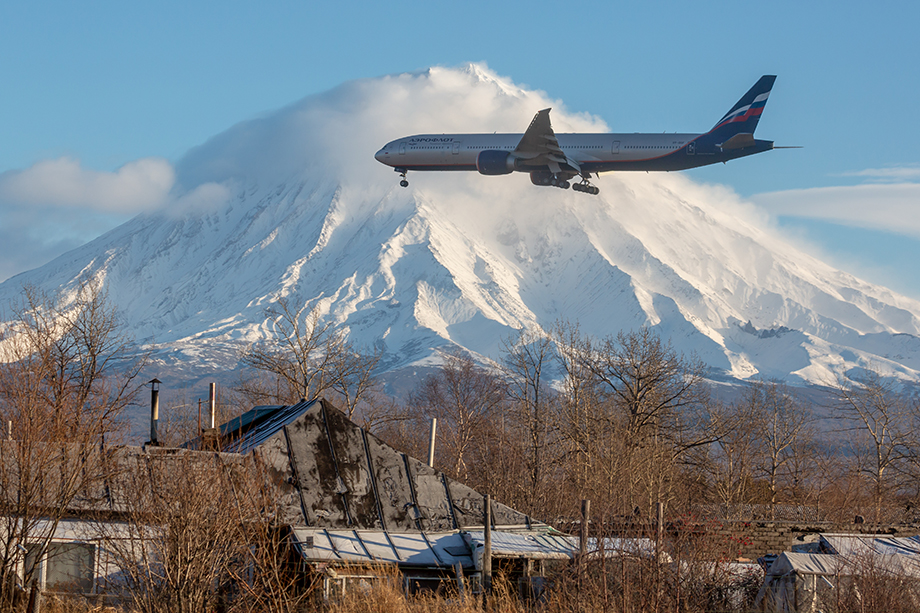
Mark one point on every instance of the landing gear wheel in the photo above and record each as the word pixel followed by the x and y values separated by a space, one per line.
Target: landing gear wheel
pixel 586 187
pixel 555 181
pixel 402 173
pixel 404 183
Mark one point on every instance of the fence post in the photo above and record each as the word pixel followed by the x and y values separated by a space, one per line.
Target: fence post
pixel 487 550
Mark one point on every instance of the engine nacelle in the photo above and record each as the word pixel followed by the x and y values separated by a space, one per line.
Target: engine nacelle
pixel 494 162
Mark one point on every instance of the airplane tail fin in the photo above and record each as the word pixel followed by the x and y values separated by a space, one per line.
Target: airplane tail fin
pixel 743 117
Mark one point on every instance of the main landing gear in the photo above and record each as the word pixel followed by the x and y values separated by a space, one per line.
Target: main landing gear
pixel 548 178
pixel 562 181
pixel 586 187
pixel 402 173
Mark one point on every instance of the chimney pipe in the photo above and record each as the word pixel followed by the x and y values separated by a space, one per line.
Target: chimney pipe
pixel 431 438
pixel 212 405
pixel 154 410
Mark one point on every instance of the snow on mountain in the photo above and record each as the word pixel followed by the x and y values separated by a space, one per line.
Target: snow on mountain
pixel 293 204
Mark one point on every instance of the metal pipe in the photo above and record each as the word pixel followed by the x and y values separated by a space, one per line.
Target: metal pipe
pixel 487 547
pixel 431 439
pixel 212 404
pixel 154 410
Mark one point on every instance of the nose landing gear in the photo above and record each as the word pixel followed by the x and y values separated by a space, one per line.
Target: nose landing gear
pixel 402 173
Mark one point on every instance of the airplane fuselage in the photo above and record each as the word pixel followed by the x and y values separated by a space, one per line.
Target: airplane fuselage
pixel 554 159
pixel 594 152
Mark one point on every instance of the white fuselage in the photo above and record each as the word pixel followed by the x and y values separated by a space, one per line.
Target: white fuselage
pixel 460 151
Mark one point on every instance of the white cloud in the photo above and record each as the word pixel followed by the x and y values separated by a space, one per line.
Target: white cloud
pixel 137 186
pixel 56 205
pixel 336 133
pixel 894 173
pixel 884 206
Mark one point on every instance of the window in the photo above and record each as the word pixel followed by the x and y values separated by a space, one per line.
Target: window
pixel 66 567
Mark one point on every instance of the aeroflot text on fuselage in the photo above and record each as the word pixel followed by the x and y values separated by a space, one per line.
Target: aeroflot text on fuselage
pixel 556 159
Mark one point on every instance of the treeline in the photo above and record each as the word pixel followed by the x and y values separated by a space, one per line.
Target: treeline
pixel 624 421
pixel 633 423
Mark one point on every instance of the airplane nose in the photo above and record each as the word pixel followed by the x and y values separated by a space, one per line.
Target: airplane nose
pixel 381 155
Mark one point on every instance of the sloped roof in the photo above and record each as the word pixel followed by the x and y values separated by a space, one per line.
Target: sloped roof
pixel 805 563
pixel 828 564
pixel 333 474
pixel 82 479
pixel 869 544
pixel 419 549
pixel 548 545
pixel 440 549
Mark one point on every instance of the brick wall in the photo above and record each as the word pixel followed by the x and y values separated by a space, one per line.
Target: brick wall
pixel 757 538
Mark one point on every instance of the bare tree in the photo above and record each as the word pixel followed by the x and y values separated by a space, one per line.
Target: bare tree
pixel 652 406
pixel 353 381
pixel 735 456
pixel 781 424
pixel 525 359
pixel 661 393
pixel 464 397
pixel 199 531
pixel 878 421
pixel 586 433
pixel 305 358
pixel 67 372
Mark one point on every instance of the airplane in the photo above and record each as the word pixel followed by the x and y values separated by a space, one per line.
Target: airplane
pixel 556 159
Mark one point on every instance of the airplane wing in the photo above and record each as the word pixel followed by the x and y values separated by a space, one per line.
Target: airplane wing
pixel 539 146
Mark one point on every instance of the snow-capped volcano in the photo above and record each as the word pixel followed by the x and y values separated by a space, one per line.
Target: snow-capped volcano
pixel 293 204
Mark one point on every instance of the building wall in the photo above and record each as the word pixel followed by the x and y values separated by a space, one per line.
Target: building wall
pixel 745 539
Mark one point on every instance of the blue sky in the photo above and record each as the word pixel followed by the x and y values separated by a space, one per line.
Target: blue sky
pixel 105 89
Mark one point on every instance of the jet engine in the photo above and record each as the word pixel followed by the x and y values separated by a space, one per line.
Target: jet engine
pixel 494 162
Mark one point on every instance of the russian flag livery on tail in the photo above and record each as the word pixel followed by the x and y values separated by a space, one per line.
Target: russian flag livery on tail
pixel 556 159
pixel 743 117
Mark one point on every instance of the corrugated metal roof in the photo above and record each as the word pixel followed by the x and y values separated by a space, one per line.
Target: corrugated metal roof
pixel 545 545
pixel 259 425
pixel 865 544
pixel 418 549
pixel 830 564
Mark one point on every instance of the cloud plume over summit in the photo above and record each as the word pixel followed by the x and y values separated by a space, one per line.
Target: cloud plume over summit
pixel 337 132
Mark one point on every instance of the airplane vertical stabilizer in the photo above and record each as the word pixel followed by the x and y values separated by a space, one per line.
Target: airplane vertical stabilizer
pixel 743 117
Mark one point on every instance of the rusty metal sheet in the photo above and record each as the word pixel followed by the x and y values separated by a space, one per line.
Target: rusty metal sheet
pixel 314 469
pixel 275 457
pixel 435 513
pixel 503 515
pixel 468 504
pixel 394 490
pixel 353 470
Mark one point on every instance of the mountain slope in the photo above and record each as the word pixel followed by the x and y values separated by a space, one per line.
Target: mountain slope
pixel 307 213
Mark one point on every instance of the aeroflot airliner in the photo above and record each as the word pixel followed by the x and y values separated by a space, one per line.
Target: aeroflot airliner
pixel 555 159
